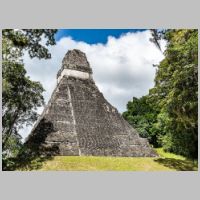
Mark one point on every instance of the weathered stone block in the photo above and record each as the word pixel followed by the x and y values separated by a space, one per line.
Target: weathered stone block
pixel 79 121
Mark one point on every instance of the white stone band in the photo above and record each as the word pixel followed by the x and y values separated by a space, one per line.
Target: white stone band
pixel 73 73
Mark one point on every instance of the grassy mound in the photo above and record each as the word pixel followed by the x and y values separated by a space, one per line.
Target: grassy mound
pixel 166 162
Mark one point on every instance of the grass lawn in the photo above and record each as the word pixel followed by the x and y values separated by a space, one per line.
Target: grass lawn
pixel 166 162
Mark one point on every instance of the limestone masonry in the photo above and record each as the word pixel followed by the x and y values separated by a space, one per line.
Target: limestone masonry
pixel 79 121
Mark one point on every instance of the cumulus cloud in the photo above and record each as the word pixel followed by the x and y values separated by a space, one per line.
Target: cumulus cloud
pixel 122 68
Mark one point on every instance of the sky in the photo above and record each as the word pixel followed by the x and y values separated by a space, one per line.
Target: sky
pixel 93 36
pixel 121 59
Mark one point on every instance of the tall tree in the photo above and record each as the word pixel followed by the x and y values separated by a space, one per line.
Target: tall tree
pixel 174 98
pixel 21 96
pixel 176 91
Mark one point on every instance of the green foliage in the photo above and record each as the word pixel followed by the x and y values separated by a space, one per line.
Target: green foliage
pixel 176 84
pixel 141 115
pixel 11 150
pixel 174 96
pixel 20 95
pixel 30 40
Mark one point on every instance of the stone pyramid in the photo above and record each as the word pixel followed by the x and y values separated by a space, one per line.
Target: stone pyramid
pixel 79 121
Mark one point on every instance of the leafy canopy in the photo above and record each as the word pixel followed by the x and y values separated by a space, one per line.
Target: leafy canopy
pixel 21 96
pixel 173 101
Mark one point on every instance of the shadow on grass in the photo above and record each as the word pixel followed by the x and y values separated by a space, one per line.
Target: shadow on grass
pixel 34 163
pixel 30 159
pixel 179 165
pixel 26 164
pixel 34 152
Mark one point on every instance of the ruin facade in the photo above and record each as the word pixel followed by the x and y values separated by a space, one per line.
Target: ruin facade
pixel 79 121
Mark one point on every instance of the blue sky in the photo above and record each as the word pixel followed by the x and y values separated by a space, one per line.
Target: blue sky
pixel 93 36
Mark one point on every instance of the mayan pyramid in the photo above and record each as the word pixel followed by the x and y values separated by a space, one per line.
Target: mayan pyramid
pixel 79 121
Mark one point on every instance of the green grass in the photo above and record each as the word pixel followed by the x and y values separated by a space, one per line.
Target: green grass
pixel 165 162
pixel 164 154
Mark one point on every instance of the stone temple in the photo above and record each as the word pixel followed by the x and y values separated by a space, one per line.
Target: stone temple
pixel 78 121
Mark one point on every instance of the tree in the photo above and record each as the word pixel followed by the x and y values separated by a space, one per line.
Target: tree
pixel 20 96
pixel 143 117
pixel 173 100
pixel 156 37
pixel 176 86
pixel 27 40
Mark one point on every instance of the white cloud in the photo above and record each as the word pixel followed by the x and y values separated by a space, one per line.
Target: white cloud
pixel 122 68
